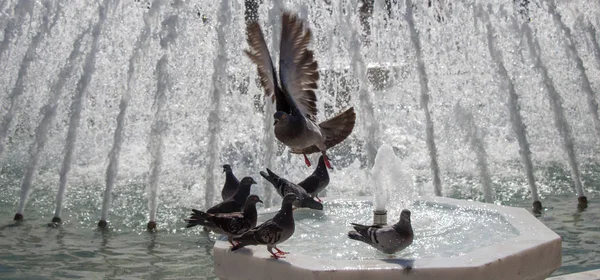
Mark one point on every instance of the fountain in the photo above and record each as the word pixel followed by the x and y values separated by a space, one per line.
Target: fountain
pixel 320 249
pixel 133 106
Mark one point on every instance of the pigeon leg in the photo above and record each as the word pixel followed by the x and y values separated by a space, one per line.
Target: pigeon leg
pixel 273 255
pixel 279 252
pixel 306 160
pixel 318 199
pixel 230 241
pixel 326 159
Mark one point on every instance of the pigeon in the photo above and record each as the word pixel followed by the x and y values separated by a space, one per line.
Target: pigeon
pixel 236 202
pixel 231 224
pixel 295 101
pixel 284 187
pixel 317 181
pixel 231 183
pixel 272 232
pixel 388 239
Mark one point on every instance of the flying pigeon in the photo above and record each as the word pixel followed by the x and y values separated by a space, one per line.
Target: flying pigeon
pixel 231 224
pixel 317 181
pixel 272 232
pixel 237 201
pixel 284 187
pixel 231 183
pixel 388 239
pixel 295 100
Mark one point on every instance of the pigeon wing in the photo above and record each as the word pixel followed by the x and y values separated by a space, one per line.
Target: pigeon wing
pixel 259 54
pixel 268 233
pixel 297 67
pixel 228 206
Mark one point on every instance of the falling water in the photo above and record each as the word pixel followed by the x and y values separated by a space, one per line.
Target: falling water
pixel 268 135
pixel 144 113
pixel 219 85
pixel 424 102
pixel 591 30
pixel 572 51
pixel 160 124
pixel 556 103
pixel 14 26
pixel 89 68
pixel 473 137
pixel 50 108
pixel 112 170
pixel 516 119
pixel 366 112
pixel 41 131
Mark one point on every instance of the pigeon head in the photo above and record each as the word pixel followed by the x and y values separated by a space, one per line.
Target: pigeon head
pixel 247 181
pixel 226 168
pixel 253 199
pixel 405 215
pixel 281 118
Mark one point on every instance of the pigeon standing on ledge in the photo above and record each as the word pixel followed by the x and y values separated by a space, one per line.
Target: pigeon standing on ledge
pixel 231 224
pixel 231 183
pixel 317 181
pixel 388 239
pixel 237 201
pixel 272 232
pixel 284 187
pixel 295 99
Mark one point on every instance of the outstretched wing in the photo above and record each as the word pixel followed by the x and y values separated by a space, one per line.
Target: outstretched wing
pixel 297 67
pixel 259 54
pixel 335 130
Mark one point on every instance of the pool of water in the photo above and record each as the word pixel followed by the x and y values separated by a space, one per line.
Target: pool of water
pixel 439 231
pixel 32 250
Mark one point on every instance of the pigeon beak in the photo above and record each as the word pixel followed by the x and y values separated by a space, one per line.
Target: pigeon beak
pixel 260 201
pixel 254 182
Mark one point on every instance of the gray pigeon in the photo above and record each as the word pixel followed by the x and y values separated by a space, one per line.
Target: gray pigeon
pixel 272 232
pixel 231 224
pixel 296 109
pixel 231 183
pixel 284 187
pixel 317 181
pixel 388 239
pixel 237 201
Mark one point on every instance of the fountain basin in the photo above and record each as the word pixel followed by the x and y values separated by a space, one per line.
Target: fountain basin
pixel 518 246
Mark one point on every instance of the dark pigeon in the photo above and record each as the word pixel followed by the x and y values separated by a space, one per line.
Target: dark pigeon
pixel 295 99
pixel 272 232
pixel 231 183
pixel 388 239
pixel 284 187
pixel 237 201
pixel 231 224
pixel 317 181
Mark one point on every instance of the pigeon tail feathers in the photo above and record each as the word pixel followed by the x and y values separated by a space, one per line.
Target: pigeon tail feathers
pixel 311 203
pixel 356 236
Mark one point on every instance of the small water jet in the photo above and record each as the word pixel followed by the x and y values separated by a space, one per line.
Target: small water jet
pixel 389 182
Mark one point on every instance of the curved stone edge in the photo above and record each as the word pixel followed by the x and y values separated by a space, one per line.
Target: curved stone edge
pixel 534 254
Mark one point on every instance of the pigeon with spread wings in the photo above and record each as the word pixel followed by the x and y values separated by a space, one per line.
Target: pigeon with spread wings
pixel 295 99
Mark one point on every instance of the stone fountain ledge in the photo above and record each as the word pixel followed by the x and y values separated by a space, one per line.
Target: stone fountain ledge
pixel 534 254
